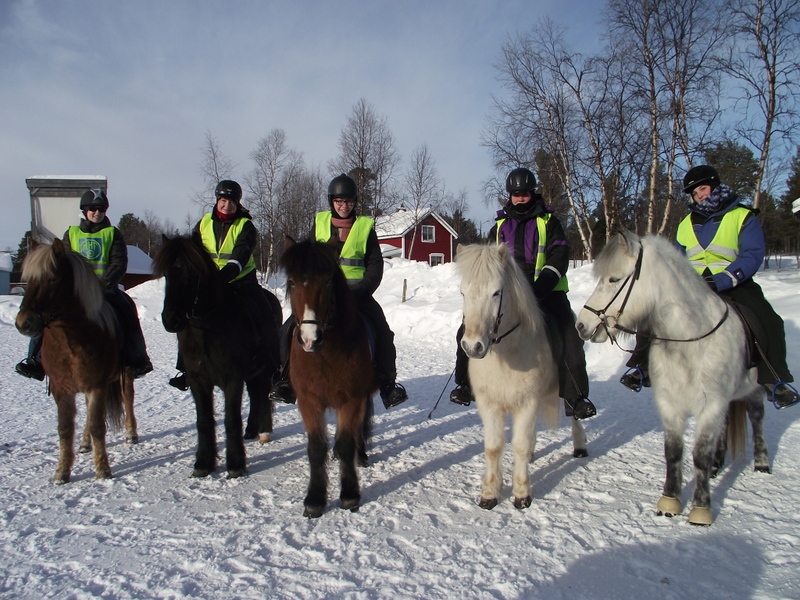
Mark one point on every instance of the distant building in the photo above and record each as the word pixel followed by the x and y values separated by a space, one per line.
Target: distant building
pixel 424 236
pixel 6 266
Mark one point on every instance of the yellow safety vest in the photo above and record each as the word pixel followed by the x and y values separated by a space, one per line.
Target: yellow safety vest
pixel 223 255
pixel 95 247
pixel 722 250
pixel 541 258
pixel 351 258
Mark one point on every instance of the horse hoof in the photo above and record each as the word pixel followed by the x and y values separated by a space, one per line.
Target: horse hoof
pixel 522 502
pixel 668 507
pixel 61 479
pixel 235 473
pixel 363 461
pixel 249 435
pixel 351 504
pixel 763 469
pixel 103 475
pixel 83 449
pixel 488 503
pixel 313 512
pixel 132 439
pixel 700 515
pixel 265 438
pixel 201 472
pixel 580 453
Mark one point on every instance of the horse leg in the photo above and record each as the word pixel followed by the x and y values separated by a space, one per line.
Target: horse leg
pixel 65 405
pixel 721 450
pixel 316 430
pixel 96 424
pixel 670 504
pixel 234 446
pixel 86 438
pixel 126 385
pixel 259 420
pixel 350 421
pixel 493 442
pixel 523 442
pixel 206 457
pixel 709 425
pixel 755 410
pixel 578 439
pixel 366 434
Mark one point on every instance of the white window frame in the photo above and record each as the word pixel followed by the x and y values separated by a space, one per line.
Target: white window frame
pixel 436 255
pixel 432 230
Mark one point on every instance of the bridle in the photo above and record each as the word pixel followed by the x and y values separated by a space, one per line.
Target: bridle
pixel 493 337
pixel 325 324
pixel 632 279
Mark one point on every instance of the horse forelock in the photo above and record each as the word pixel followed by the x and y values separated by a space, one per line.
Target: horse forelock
pixel 310 262
pixel 40 263
pixel 183 251
pixel 87 289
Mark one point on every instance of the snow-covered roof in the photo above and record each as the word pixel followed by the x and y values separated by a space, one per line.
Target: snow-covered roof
pixel 5 262
pixel 402 221
pixel 77 177
pixel 138 262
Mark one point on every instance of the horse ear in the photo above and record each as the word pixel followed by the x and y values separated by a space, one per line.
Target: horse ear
pixel 630 240
pixel 288 241
pixel 164 238
pixel 58 248
pixel 502 250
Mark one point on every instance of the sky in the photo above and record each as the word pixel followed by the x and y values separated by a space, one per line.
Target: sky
pixel 130 90
pixel 153 532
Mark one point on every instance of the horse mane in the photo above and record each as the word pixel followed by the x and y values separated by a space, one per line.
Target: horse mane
pixel 486 262
pixel 186 250
pixel 42 264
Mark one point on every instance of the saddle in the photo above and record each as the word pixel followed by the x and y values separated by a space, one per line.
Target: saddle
pixel 756 340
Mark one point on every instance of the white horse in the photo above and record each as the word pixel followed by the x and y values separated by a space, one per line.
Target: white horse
pixel 511 367
pixel 699 363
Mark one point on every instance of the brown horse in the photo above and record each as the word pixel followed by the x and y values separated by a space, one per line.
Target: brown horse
pixel 64 304
pixel 329 367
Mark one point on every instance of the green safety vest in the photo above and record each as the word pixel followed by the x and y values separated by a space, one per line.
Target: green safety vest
pixel 351 258
pixel 95 247
pixel 722 250
pixel 223 255
pixel 541 258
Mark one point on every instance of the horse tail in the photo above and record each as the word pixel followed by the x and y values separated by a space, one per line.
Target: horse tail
pixel 115 412
pixel 737 427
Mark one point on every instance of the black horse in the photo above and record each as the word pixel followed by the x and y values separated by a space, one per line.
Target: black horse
pixel 223 343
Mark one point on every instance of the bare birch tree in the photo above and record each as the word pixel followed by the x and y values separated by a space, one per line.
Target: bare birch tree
pixel 422 187
pixel 215 167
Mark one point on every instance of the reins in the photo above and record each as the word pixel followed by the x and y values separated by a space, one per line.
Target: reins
pixel 494 338
pixel 632 278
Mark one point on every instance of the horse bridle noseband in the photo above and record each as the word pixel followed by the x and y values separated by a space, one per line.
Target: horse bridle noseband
pixel 632 278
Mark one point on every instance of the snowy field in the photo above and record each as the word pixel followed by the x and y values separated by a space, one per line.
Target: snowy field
pixel 591 533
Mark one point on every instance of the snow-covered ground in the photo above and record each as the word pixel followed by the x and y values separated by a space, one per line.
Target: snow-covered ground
pixel 591 533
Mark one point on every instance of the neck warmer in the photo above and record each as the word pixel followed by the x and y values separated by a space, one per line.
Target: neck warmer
pixel 343 225
pixel 224 218
pixel 719 197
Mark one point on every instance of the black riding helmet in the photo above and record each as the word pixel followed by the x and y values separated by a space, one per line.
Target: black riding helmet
pixel 94 198
pixel 700 175
pixel 520 181
pixel 229 189
pixel 342 186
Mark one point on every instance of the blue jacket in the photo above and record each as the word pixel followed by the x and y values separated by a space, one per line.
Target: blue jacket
pixel 751 244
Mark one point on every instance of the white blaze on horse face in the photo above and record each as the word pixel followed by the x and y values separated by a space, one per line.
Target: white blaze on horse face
pixel 309 330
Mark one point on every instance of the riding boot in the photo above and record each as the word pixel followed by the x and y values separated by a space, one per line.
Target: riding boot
pixel 462 394
pixel 179 381
pixel 281 390
pixel 31 366
pixel 580 408
pixel 638 375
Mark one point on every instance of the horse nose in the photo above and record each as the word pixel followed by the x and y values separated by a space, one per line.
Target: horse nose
pixel 173 322
pixel 28 324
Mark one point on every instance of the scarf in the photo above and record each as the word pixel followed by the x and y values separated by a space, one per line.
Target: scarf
pixel 224 218
pixel 720 196
pixel 343 225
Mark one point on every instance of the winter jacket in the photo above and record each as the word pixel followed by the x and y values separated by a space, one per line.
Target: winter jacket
pixel 373 261
pixel 751 245
pixel 241 255
pixel 115 252
pixel 517 227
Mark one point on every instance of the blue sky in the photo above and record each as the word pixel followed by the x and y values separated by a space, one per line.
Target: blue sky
pixel 129 89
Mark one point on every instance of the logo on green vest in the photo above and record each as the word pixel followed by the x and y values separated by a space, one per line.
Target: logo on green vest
pixel 91 249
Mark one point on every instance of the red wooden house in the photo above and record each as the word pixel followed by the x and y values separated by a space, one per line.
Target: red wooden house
pixel 417 235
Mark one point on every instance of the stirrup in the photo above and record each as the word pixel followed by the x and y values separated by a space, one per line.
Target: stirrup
pixel 634 379
pixel 783 395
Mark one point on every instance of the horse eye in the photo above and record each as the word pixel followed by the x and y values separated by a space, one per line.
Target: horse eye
pixel 496 294
pixel 613 280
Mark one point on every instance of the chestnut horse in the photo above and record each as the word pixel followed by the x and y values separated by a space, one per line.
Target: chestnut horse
pixel 64 304
pixel 221 345
pixel 329 367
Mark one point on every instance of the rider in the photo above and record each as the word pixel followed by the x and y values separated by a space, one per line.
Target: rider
pixel 104 248
pixel 536 238
pixel 724 242
pixel 361 262
pixel 229 236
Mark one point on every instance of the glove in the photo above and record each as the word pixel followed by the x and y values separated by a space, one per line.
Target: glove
pixel 228 272
pixel 709 279
pixel 545 283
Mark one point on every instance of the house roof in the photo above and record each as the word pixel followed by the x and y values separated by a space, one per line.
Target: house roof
pixel 5 262
pixel 402 221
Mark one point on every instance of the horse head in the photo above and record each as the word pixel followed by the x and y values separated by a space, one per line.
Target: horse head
pixel 617 269
pixel 188 273
pixel 314 282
